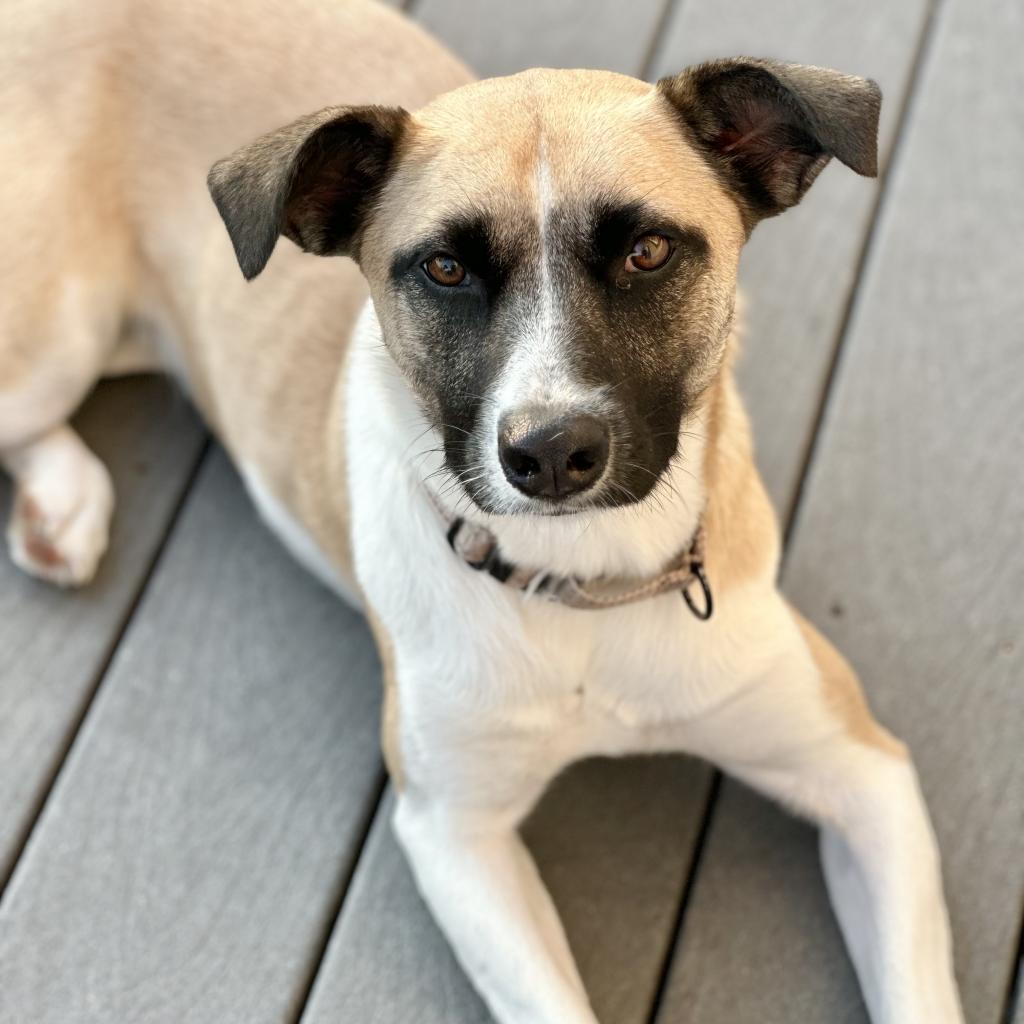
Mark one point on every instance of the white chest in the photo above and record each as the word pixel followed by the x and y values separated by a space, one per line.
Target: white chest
pixel 479 665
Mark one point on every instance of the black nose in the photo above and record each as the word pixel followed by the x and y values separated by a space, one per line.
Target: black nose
pixel 552 458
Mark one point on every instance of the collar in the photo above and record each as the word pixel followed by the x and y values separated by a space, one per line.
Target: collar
pixel 478 548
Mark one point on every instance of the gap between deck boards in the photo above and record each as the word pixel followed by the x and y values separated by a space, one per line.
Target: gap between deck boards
pixel 103 666
pixel 791 514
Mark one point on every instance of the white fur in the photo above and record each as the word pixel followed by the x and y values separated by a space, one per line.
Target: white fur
pixel 64 499
pixel 497 692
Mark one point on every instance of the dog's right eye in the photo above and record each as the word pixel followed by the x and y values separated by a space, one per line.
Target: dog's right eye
pixel 649 253
pixel 445 270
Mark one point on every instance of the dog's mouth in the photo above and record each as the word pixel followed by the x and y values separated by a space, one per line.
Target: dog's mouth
pixel 496 501
pixel 556 512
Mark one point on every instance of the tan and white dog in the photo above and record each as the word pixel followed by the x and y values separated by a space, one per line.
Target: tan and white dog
pixel 534 334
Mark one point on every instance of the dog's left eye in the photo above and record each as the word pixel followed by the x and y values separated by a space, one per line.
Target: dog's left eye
pixel 649 253
pixel 445 270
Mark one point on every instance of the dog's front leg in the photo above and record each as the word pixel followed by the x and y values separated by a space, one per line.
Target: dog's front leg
pixel 484 890
pixel 801 732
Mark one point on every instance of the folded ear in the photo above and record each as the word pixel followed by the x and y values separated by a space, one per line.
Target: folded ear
pixel 771 127
pixel 313 181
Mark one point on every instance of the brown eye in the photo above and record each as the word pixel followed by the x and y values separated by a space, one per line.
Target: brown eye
pixel 445 270
pixel 649 253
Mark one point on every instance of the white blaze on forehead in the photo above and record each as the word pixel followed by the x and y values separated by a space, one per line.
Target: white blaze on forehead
pixel 538 373
pixel 545 200
pixel 538 370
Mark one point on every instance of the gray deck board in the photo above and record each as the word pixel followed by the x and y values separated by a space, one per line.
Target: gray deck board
pixel 189 859
pixel 498 38
pixel 55 643
pixel 907 551
pixel 798 270
pixel 612 841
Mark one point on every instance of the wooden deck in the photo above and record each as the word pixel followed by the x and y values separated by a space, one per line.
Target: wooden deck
pixel 193 812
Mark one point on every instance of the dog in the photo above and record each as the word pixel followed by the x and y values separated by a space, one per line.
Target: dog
pixel 506 427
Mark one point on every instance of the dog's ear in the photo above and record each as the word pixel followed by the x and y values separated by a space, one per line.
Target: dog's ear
pixel 313 181
pixel 770 127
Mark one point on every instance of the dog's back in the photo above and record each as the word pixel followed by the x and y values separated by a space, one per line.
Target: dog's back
pixel 110 117
pixel 112 113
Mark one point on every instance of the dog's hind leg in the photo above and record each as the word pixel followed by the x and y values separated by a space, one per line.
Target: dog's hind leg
pixel 51 353
pixel 63 503
pixel 67 262
pixel 802 733
pixel 68 265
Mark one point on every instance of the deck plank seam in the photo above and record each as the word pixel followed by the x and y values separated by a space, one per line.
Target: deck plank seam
pixel 669 11
pixel 868 247
pixel 906 109
pixel 1015 983
pixel 374 807
pixel 75 727
pixel 689 884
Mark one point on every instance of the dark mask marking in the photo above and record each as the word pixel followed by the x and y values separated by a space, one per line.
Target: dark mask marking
pixel 640 335
pixel 462 334
pixel 637 333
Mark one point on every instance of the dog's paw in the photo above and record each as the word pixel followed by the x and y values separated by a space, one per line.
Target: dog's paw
pixel 60 521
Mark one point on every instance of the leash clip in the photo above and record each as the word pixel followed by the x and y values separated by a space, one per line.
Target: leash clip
pixel 702 613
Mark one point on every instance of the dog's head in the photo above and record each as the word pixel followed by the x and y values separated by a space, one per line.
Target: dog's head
pixel 552 256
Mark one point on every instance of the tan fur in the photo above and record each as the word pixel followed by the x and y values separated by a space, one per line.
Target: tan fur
pixel 619 137
pixel 742 539
pixel 284 417
pixel 127 214
pixel 389 713
pixel 63 319
pixel 742 534
pixel 844 695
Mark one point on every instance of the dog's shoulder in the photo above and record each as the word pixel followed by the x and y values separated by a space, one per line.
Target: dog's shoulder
pixel 741 528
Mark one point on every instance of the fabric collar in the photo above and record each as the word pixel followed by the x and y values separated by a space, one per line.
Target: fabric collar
pixel 478 548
